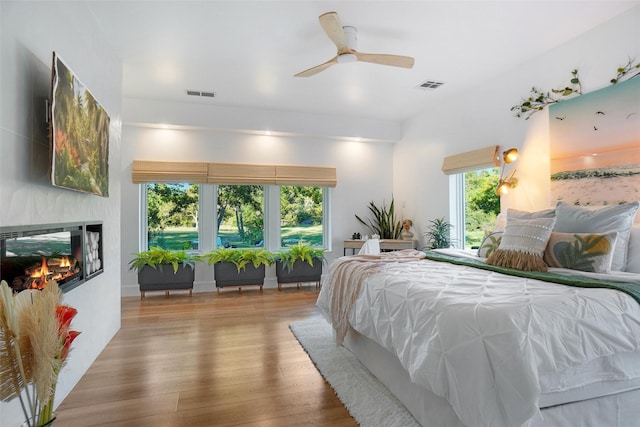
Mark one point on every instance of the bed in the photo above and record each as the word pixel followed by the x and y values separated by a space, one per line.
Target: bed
pixel 462 342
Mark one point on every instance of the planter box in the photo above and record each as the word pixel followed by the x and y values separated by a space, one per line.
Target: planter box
pixel 302 272
pixel 226 274
pixel 163 278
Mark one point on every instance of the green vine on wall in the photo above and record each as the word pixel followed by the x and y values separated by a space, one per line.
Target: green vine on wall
pixel 538 99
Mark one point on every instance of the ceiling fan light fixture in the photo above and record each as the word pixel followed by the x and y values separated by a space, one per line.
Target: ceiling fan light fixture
pixel 346 58
pixel 345 38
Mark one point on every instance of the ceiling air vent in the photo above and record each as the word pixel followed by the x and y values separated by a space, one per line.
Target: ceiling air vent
pixel 430 85
pixel 206 94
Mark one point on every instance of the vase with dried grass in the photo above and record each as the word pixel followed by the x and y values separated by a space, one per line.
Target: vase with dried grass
pixel 35 339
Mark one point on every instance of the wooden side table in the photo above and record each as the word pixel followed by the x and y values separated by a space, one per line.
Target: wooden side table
pixel 385 245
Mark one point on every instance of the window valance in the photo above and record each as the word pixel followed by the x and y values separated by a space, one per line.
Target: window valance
pixel 482 158
pixel 232 173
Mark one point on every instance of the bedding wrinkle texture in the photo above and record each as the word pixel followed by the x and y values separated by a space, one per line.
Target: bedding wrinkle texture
pixel 346 275
pixel 489 343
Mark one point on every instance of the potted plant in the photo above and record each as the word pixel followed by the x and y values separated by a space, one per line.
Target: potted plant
pixel 239 267
pixel 384 222
pixel 163 270
pixel 298 264
pixel 439 234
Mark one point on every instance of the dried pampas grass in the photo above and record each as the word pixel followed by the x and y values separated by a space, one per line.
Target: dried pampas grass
pixel 39 335
pixel 29 346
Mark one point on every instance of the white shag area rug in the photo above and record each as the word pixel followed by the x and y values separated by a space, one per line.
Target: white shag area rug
pixel 366 398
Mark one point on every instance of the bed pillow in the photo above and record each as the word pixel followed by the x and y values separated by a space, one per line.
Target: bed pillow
pixel 576 219
pixel 489 244
pixel 581 251
pixel 523 244
pixel 517 214
pixel 633 255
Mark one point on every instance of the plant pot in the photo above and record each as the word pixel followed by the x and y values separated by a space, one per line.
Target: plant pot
pixel 163 278
pixel 301 272
pixel 226 274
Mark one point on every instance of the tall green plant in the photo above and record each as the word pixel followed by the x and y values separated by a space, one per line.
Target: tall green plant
pixel 384 222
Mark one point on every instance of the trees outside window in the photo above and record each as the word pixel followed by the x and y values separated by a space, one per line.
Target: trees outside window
pixel 301 213
pixel 240 218
pixel 172 216
pixel 481 204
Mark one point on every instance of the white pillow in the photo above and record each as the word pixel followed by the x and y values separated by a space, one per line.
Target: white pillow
pixel 576 219
pixel 523 243
pixel 517 214
pixel 633 255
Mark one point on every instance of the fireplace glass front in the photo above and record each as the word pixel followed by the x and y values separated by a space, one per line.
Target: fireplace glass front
pixel 30 257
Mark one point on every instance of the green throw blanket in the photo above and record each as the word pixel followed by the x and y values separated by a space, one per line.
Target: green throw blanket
pixel 630 288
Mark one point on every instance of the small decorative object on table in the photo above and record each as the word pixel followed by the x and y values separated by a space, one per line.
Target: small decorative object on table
pixel 406 234
pixel 35 340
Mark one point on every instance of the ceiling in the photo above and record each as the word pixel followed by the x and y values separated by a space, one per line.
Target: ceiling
pixel 247 52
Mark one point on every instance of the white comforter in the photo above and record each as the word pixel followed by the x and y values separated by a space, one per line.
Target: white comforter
pixel 490 343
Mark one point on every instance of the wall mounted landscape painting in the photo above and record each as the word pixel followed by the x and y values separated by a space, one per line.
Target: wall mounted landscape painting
pixel 595 146
pixel 80 135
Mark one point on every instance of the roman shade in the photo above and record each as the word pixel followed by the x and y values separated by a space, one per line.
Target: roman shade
pixel 482 158
pixel 306 175
pixel 232 173
pixel 150 171
pixel 235 173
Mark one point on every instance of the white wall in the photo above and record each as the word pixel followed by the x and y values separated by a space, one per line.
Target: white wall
pixel 30 32
pixel 364 171
pixel 482 117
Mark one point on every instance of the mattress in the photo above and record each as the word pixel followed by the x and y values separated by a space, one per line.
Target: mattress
pixel 497 348
pixel 611 410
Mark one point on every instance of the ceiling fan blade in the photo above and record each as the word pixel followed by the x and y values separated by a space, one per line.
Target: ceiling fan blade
pixel 384 59
pixel 315 70
pixel 333 27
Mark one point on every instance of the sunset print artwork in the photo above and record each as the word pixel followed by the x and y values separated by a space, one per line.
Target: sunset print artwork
pixel 595 146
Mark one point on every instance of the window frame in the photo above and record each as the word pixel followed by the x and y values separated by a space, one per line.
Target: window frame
pixel 326 229
pixel 207 211
pixel 457 204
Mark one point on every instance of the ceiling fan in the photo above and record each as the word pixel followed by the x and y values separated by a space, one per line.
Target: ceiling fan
pixel 345 39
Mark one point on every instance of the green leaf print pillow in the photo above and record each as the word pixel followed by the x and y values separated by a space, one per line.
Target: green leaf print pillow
pixel 489 244
pixel 581 251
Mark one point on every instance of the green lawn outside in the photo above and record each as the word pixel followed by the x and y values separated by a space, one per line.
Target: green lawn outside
pixel 474 238
pixel 186 238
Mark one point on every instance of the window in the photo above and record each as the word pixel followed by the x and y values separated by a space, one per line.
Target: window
pixel 475 205
pixel 172 216
pixel 239 216
pixel 301 215
pixel 200 217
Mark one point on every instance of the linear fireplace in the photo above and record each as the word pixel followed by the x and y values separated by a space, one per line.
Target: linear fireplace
pixel 69 253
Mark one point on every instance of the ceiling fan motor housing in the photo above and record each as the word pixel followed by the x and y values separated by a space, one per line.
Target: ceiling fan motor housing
pixel 351 37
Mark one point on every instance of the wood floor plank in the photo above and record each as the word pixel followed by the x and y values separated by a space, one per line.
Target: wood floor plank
pixel 225 359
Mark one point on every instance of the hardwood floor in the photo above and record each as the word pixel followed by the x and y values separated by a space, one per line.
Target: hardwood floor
pixel 209 360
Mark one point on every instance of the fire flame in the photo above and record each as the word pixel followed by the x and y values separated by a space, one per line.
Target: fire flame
pixel 43 275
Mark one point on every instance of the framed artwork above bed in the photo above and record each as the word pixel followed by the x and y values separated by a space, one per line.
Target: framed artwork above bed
pixel 595 147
